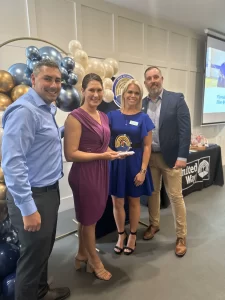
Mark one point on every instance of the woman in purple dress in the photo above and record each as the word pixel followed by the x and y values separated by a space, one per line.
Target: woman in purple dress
pixel 86 141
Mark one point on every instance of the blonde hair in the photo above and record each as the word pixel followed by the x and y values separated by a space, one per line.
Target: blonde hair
pixel 135 82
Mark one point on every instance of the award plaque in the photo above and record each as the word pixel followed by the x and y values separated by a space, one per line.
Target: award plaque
pixel 123 145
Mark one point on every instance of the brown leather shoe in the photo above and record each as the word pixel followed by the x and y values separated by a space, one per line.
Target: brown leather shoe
pixel 181 248
pixel 57 294
pixel 150 232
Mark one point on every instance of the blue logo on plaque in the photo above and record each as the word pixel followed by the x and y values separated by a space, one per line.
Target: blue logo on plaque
pixel 118 86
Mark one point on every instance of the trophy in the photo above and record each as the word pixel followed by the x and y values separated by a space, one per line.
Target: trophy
pixel 123 145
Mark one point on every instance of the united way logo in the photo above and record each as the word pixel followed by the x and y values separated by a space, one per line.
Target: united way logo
pixel 118 86
pixel 195 172
pixel 203 169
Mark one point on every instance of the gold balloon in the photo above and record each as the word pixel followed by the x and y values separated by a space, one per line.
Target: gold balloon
pixel 18 91
pixel 5 101
pixel 2 191
pixel 1 175
pixel 3 210
pixel 6 81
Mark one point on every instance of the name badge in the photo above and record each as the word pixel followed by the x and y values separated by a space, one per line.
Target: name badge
pixel 134 123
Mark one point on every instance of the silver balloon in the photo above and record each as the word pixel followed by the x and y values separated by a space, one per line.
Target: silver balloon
pixel 68 99
pixel 68 63
pixel 51 53
pixel 72 78
pixel 20 73
pixel 32 53
pixel 64 73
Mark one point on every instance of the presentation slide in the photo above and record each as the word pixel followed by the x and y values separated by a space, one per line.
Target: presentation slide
pixel 214 94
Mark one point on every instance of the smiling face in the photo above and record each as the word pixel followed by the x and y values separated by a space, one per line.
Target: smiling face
pixel 93 94
pixel 132 96
pixel 154 82
pixel 47 83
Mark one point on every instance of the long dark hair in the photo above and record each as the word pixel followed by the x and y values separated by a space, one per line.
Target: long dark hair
pixel 87 78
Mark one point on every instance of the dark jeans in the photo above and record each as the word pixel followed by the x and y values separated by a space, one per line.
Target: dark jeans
pixel 36 247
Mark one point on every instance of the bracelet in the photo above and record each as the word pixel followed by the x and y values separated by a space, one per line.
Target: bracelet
pixel 143 171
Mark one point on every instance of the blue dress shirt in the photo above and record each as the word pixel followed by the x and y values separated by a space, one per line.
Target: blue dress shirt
pixel 31 149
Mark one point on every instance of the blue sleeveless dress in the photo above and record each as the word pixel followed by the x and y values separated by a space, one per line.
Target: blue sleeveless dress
pixel 123 172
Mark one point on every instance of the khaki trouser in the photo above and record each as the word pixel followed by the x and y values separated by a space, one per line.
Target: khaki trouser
pixel 173 183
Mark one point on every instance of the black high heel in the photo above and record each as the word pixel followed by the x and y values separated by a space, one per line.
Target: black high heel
pixel 129 248
pixel 124 241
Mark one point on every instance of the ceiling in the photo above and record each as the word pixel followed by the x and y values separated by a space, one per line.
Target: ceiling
pixel 194 14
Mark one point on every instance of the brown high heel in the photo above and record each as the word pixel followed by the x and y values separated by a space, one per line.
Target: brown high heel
pixel 99 273
pixel 78 262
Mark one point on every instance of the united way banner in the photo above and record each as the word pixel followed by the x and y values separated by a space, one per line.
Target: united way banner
pixel 196 172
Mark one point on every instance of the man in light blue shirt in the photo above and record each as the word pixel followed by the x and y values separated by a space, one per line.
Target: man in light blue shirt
pixel 32 166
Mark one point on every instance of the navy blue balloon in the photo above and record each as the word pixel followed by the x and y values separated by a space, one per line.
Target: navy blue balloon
pixel 68 63
pixel 68 99
pixel 32 53
pixel 8 286
pixel 50 53
pixel 73 79
pixel 32 64
pixel 20 73
pixel 5 226
pixel 10 237
pixel 64 73
pixel 9 254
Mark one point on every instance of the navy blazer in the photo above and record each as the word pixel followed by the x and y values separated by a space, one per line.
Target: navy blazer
pixel 174 126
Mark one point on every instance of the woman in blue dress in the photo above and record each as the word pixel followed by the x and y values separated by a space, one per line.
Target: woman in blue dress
pixel 130 177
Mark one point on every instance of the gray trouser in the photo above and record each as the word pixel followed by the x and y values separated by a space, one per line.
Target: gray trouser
pixel 36 247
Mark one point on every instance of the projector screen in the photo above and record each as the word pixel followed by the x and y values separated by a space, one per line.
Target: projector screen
pixel 213 111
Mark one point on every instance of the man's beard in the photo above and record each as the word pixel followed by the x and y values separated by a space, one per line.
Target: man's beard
pixel 155 91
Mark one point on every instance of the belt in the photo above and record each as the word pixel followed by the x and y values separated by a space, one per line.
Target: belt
pixel 137 145
pixel 44 189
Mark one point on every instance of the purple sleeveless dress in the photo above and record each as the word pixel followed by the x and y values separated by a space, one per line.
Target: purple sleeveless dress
pixel 89 181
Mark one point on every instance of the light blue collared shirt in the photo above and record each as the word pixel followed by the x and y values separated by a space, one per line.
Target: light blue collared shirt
pixel 31 149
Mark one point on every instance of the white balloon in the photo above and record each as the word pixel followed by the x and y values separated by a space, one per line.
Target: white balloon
pixel 73 46
pixel 108 96
pixel 107 83
pixel 113 63
pixel 109 70
pixel 79 71
pixel 95 66
pixel 81 57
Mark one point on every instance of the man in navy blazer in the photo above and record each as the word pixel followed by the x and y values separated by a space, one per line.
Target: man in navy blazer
pixel 170 148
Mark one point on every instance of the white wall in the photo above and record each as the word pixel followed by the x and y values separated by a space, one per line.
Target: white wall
pixel 106 30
